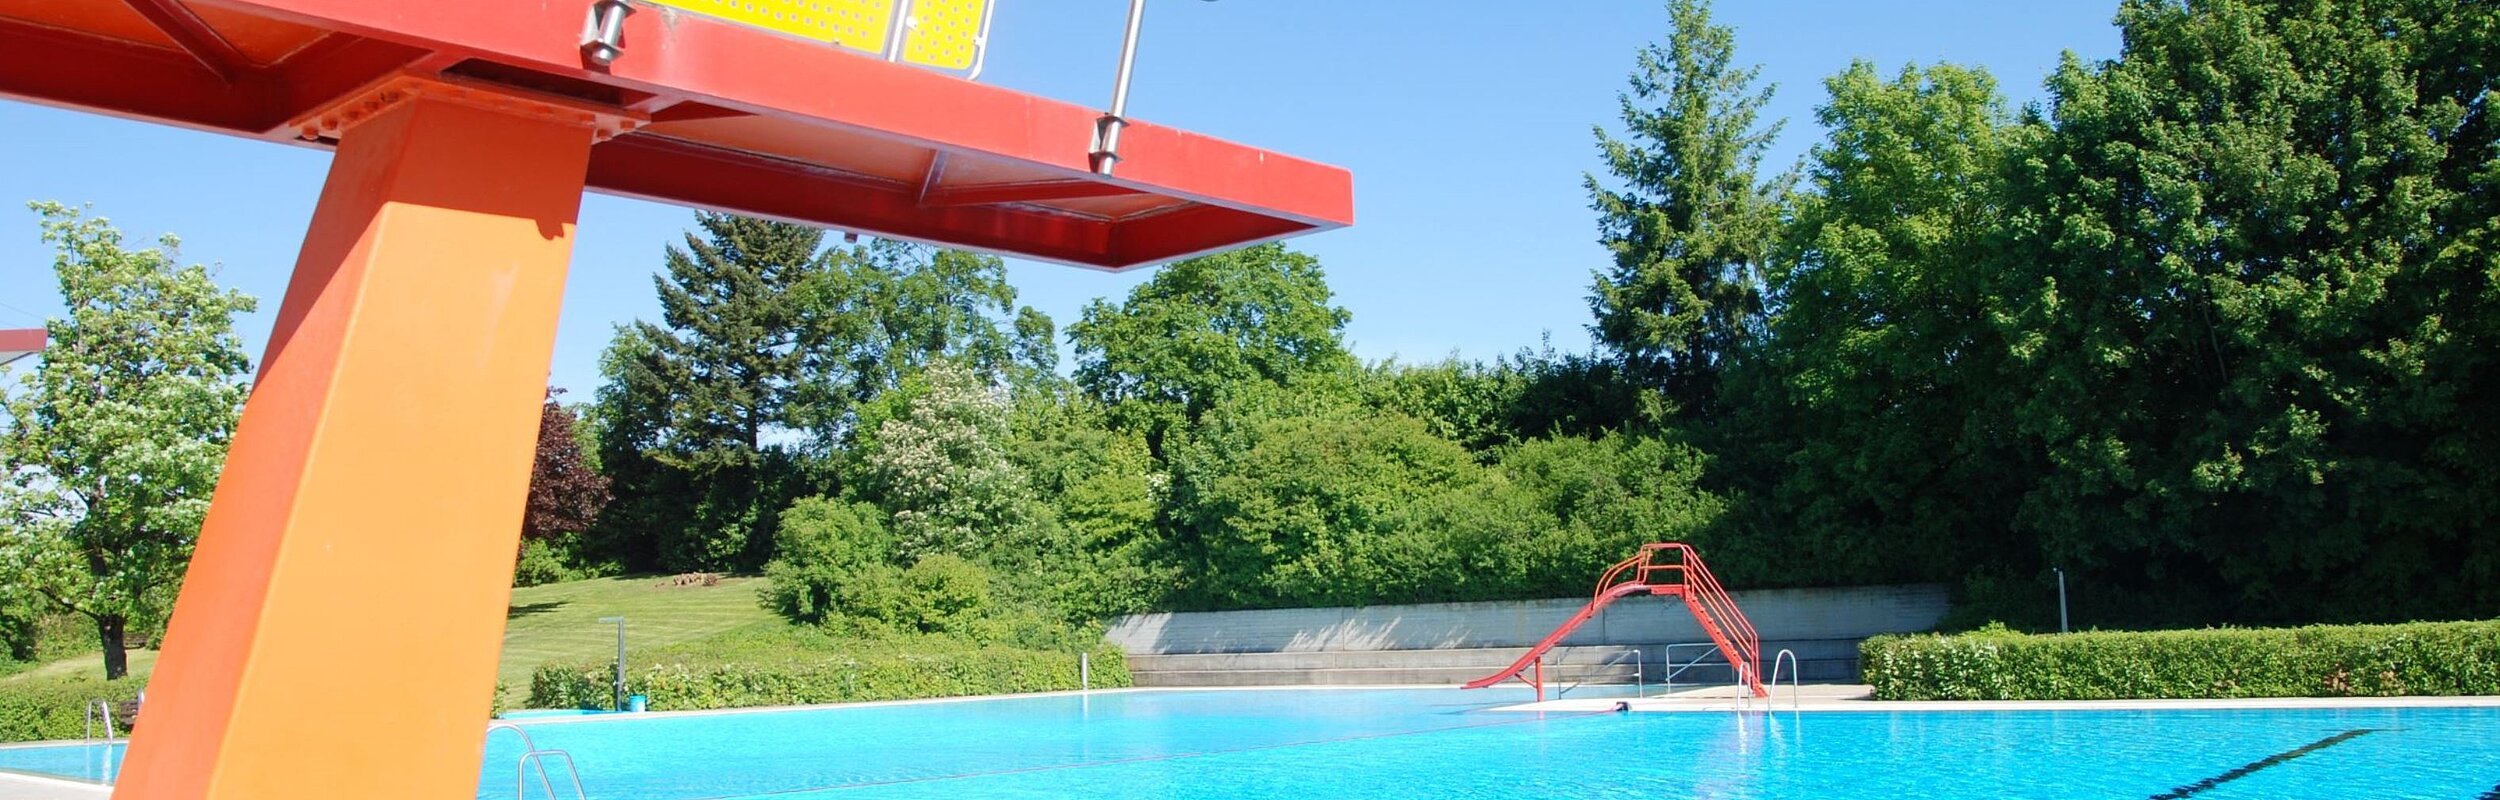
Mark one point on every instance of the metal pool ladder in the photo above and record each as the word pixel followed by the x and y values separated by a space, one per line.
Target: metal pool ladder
pixel 1794 670
pixel 100 710
pixel 532 754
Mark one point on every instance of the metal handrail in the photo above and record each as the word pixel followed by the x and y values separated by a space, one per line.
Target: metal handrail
pixel 1743 696
pixel 1607 581
pixel 1795 671
pixel 531 754
pixel 540 758
pixel 1740 627
pixel 1638 666
pixel 1706 592
pixel 1674 669
pixel 100 709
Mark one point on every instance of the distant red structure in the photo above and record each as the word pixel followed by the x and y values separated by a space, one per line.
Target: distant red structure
pixel 21 342
pixel 1660 569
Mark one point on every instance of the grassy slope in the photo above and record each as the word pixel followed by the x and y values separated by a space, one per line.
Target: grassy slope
pixel 558 622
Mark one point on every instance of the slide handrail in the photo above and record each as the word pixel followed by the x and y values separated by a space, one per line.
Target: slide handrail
pixel 1607 581
pixel 1708 595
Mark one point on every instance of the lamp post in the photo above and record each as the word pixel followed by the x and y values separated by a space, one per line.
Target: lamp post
pixel 2061 600
pixel 620 659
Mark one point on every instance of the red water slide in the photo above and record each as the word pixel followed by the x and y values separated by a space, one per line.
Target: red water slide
pixel 1664 569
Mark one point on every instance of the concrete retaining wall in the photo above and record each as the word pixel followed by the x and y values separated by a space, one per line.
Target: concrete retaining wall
pixel 1390 644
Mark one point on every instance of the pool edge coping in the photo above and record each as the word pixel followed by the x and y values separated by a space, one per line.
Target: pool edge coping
pixel 53 782
pixel 614 716
pixel 1776 703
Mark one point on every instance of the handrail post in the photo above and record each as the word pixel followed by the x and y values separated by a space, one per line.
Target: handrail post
pixel 1796 670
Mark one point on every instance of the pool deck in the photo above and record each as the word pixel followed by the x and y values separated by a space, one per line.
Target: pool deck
pixel 20 786
pixel 1860 698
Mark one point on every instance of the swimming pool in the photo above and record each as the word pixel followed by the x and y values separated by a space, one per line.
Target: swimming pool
pixel 1441 743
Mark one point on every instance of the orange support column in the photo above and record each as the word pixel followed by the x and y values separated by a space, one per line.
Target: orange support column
pixel 338 631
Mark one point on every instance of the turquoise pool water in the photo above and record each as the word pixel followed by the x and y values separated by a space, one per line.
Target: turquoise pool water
pixel 1438 743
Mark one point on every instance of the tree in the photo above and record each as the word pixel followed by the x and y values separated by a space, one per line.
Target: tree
pixel 938 462
pixel 712 420
pixel 889 308
pixel 1526 395
pixel 698 393
pixel 1887 369
pixel 1205 325
pixel 566 493
pixel 1289 499
pixel 1587 501
pixel 1690 226
pixel 1101 554
pixel 628 419
pixel 2259 319
pixel 116 439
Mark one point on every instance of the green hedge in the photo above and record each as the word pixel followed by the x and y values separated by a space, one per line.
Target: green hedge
pixel 54 708
pixel 2435 658
pixel 685 680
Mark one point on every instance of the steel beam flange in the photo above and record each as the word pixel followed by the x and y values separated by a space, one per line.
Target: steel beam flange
pixel 334 120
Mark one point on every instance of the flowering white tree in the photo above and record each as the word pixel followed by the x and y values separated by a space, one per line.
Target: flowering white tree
pixel 942 467
pixel 115 440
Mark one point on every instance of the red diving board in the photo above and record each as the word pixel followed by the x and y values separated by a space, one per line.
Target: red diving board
pixel 696 110
pixel 20 343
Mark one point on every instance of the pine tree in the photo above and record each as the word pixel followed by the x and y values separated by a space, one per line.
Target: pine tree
pixel 1690 225
pixel 704 388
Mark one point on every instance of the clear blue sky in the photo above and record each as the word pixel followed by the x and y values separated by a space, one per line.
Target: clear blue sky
pixel 1466 125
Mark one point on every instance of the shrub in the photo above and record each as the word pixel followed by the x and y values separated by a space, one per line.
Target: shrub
pixel 55 708
pixel 825 547
pixel 540 564
pixel 2441 658
pixel 946 594
pixel 735 674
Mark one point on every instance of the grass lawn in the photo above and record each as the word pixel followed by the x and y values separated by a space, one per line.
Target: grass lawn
pixel 560 622
pixel 90 664
pixel 557 622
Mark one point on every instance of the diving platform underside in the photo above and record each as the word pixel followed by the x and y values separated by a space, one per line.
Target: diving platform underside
pixel 696 111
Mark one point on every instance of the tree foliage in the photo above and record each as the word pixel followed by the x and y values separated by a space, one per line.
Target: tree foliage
pixel 1296 501
pixel 1883 379
pixel 1200 327
pixel 566 493
pixel 1689 224
pixel 2258 311
pixel 938 461
pixel 691 399
pixel 767 347
pixel 2205 330
pixel 116 438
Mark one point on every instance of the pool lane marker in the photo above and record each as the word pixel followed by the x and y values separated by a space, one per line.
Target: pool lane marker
pixel 2262 763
